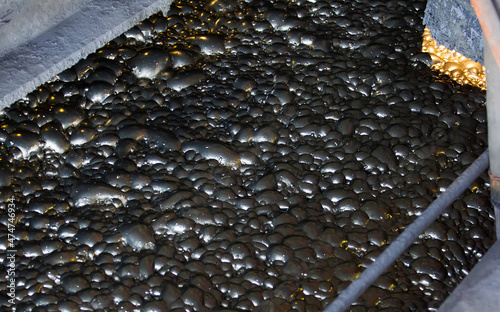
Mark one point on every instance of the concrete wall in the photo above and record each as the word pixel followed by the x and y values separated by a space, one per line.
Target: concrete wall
pixel 43 38
pixel 22 20
pixel 453 23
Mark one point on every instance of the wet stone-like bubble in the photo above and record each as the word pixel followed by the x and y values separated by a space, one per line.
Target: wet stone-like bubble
pixel 26 141
pixel 138 236
pixel 92 193
pixel 74 283
pixel 213 150
pixel 209 44
pixel 53 137
pixel 67 115
pixel 99 90
pixel 83 135
pixel 149 62
pixel 186 79
pixel 265 134
pixel 183 57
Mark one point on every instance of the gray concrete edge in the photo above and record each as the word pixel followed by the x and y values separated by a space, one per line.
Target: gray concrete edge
pixel 40 59
pixel 23 20
pixel 479 290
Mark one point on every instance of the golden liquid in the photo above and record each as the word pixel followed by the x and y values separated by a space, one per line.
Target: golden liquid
pixel 454 64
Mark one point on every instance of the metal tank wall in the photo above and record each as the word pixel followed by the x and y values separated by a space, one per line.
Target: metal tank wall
pixel 42 38
pixel 24 20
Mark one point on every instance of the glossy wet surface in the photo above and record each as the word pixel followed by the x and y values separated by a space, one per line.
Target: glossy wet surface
pixel 460 68
pixel 247 156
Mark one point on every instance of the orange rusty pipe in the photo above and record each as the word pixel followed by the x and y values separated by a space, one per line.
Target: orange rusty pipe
pixel 495 197
pixel 493 107
pixel 489 18
pixel 487 15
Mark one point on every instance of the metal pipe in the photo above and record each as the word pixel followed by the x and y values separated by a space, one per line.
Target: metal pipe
pixel 487 14
pixel 493 109
pixel 358 286
pixel 493 100
pixel 495 199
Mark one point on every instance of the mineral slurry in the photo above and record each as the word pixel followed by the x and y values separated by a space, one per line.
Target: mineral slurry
pixel 242 156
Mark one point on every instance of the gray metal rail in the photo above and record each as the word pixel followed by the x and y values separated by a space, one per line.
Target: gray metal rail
pixel 359 286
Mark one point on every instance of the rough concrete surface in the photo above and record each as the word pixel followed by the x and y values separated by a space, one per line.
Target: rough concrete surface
pixel 453 23
pixel 479 290
pixel 44 55
pixel 22 20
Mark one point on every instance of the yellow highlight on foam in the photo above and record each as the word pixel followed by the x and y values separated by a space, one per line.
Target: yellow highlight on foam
pixel 451 63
